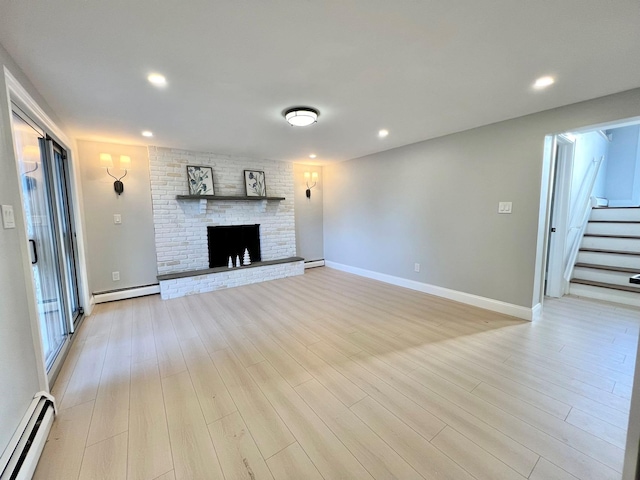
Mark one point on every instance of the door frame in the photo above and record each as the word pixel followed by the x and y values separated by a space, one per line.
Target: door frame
pixel 561 175
pixel 18 95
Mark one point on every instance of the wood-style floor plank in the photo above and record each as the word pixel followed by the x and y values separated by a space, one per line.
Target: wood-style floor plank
pixel 193 453
pixel 268 430
pixel 519 457
pixel 418 452
pixel 143 346
pixel 345 390
pixel 325 450
pixel 239 456
pixel 333 376
pixel 62 455
pixel 85 380
pixel 293 464
pixel 149 445
pixel 213 395
pixel 106 460
pixel 375 455
pixel 170 358
pixel 480 463
pixel 546 470
pixel 411 412
pixel 111 411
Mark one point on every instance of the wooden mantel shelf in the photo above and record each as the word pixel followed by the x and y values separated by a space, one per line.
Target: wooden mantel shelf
pixel 227 197
pixel 194 273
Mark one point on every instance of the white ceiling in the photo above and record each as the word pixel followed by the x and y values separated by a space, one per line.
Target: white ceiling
pixel 419 68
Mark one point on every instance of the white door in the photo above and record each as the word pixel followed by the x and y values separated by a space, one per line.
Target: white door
pixel 556 285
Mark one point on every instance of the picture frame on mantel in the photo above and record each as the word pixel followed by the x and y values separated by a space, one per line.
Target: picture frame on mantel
pixel 254 183
pixel 200 180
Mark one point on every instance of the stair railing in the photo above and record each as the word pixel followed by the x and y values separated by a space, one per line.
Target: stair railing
pixel 580 216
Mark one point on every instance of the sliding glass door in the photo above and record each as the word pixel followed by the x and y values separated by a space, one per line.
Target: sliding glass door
pixel 45 197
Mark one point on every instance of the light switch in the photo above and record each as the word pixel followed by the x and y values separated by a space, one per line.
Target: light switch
pixel 504 207
pixel 117 218
pixel 8 220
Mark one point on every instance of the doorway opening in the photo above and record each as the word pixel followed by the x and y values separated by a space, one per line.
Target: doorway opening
pixel 593 228
pixel 46 195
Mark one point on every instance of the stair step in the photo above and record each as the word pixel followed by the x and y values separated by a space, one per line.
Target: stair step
pixel 612 235
pixel 606 277
pixel 616 214
pixel 610 260
pixel 632 271
pixel 605 250
pixel 611 286
pixel 614 221
pixel 611 243
pixel 621 229
pixel 606 294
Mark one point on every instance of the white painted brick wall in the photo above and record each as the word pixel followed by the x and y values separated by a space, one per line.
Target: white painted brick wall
pixel 180 287
pixel 181 225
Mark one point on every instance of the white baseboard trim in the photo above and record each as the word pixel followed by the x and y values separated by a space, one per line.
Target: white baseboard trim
pixel 462 297
pixel 314 263
pixel 20 457
pixel 124 294
pixel 536 312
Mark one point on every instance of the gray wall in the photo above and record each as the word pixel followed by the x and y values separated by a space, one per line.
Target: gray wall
pixel 308 214
pixel 128 248
pixel 18 362
pixel 587 147
pixel 623 170
pixel 435 203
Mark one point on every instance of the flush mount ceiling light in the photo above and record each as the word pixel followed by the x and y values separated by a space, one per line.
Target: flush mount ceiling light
pixel 147 133
pixel 543 82
pixel 301 116
pixel 313 155
pixel 383 133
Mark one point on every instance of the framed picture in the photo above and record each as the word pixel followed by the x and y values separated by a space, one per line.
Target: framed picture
pixel 254 183
pixel 200 180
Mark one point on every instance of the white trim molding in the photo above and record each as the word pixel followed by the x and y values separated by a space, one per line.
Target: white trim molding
pixel 462 297
pixel 20 93
pixel 313 264
pixel 536 312
pixel 126 293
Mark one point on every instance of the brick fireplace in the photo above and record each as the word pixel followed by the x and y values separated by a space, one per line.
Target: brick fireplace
pixel 181 225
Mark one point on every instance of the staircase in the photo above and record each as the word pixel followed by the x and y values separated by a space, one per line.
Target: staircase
pixel 608 256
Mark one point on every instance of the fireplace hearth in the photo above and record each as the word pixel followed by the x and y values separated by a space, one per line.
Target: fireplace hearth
pixel 230 241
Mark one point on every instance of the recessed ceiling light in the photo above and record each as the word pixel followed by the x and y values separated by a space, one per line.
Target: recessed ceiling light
pixel 383 133
pixel 147 133
pixel 543 82
pixel 301 116
pixel 313 155
pixel 157 79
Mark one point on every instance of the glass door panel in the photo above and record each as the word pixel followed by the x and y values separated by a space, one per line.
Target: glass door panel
pixel 36 184
pixel 65 221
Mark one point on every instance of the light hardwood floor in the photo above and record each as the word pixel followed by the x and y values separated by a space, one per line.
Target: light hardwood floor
pixel 333 376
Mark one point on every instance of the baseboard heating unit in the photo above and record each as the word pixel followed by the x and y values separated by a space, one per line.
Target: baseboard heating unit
pixel 21 456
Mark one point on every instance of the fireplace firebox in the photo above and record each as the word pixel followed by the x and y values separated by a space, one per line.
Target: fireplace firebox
pixel 230 241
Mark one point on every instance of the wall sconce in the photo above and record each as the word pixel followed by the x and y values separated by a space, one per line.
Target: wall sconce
pixel 107 162
pixel 314 178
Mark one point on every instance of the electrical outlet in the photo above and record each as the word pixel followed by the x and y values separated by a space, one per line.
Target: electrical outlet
pixel 8 220
pixel 115 276
pixel 416 267
pixel 117 218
